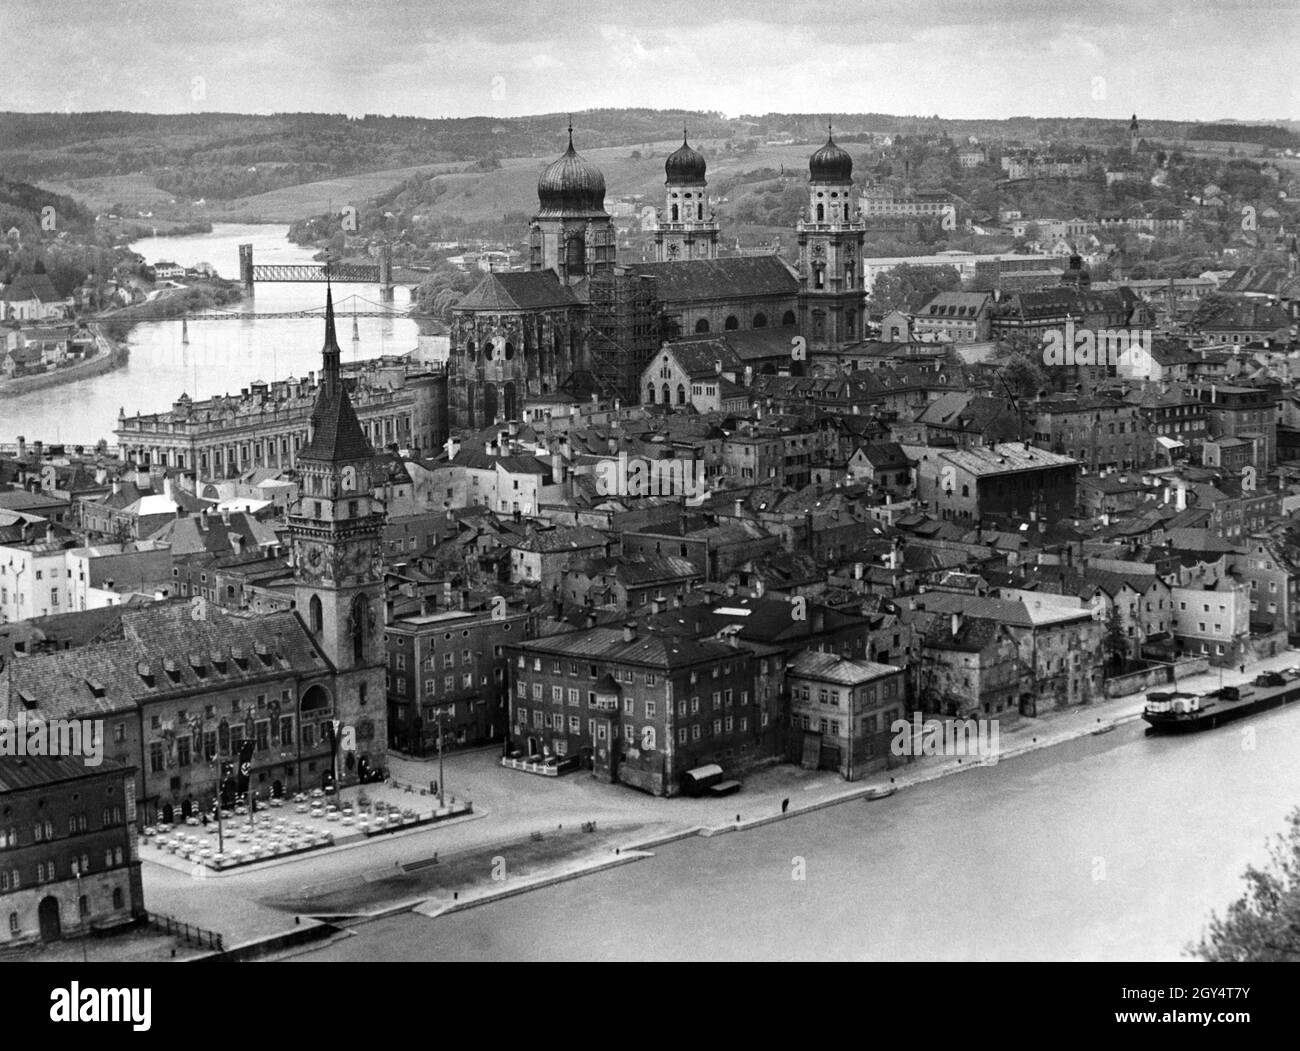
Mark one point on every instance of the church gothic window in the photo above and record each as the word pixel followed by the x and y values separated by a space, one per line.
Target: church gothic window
pixel 317 621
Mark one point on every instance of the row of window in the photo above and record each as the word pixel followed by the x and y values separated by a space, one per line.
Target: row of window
pixel 646 739
pixel 225 741
pixel 48 871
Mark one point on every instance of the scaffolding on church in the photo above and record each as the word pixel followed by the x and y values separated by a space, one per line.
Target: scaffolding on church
pixel 624 331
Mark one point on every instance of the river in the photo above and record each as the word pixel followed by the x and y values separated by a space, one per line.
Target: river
pixel 221 356
pixel 1113 847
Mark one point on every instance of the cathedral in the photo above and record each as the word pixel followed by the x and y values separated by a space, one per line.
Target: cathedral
pixel 579 321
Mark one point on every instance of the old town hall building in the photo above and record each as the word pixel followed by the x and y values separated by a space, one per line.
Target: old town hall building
pixel 579 321
pixel 178 685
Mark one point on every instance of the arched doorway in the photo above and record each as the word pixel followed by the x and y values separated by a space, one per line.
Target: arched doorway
pixel 760 320
pixel 650 394
pixel 668 398
pixel 187 809
pixel 732 323
pixel 788 319
pixel 168 813
pixel 702 325
pixel 277 789
pixel 48 915
pixel 489 404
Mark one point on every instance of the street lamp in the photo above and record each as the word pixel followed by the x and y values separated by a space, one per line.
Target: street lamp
pixel 81 913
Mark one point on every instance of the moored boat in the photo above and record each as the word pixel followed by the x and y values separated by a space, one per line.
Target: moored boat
pixel 1179 712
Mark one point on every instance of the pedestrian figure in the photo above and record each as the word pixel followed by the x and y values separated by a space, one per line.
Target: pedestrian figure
pixel 785 804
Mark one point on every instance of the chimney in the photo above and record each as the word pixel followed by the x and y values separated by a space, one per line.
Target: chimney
pixel 739 508
pixel 591 620
pixel 225 516
pixel 733 638
pixel 388 611
pixel 677 602
pixel 717 366
pixel 101 476
pixel 749 375
pixel 237 543
pixel 38 450
pixel 857 570
pixel 629 632
pixel 488 448
pixel 22 447
pixel 731 590
pixel 117 485
pixel 956 624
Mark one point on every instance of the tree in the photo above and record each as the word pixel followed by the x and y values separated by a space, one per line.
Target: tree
pixel 1264 923
pixel 894 287
pixel 1024 377
pixel 1116 644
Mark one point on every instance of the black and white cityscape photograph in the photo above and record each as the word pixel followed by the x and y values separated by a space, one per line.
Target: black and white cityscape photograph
pixel 545 482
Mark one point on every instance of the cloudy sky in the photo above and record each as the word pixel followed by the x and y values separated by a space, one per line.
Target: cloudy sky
pixel 1178 59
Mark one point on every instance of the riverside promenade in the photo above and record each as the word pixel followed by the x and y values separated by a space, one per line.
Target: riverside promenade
pixel 522 835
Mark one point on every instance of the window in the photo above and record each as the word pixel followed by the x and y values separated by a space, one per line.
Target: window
pixel 573 697
pixel 717 726
pixel 155 757
pixel 650 709
pixel 575 724
pixel 695 705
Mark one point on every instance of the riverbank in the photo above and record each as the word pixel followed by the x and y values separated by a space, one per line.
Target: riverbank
pixel 516 808
pixel 110 355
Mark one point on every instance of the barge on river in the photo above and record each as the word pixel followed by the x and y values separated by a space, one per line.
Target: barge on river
pixel 1177 712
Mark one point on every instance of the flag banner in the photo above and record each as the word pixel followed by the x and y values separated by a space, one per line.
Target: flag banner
pixel 245 766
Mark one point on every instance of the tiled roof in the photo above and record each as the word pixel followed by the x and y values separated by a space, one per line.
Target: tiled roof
pixel 337 436
pixel 30 286
pixel 829 667
pixel 700 357
pixel 526 290
pixel 33 771
pixel 107 677
pixel 697 279
pixel 656 650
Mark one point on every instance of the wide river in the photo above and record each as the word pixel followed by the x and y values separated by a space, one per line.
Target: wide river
pixel 221 356
pixel 1114 847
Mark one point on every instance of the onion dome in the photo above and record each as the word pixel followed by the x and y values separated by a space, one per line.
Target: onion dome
pixel 571 185
pixel 830 163
pixel 684 165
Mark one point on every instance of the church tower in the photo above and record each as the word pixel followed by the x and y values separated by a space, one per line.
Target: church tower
pixel 335 528
pixel 687 227
pixel 1133 136
pixel 832 302
pixel 571 233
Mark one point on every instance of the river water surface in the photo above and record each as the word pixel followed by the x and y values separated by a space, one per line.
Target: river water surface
pixel 221 356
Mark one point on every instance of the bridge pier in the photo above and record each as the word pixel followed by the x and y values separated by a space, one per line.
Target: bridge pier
pixel 246 268
pixel 386 271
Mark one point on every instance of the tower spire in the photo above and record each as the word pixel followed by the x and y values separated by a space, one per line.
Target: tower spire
pixel 330 352
pixel 570 131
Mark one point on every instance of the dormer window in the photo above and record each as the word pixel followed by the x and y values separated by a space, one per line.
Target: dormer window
pixel 96 688
pixel 145 672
